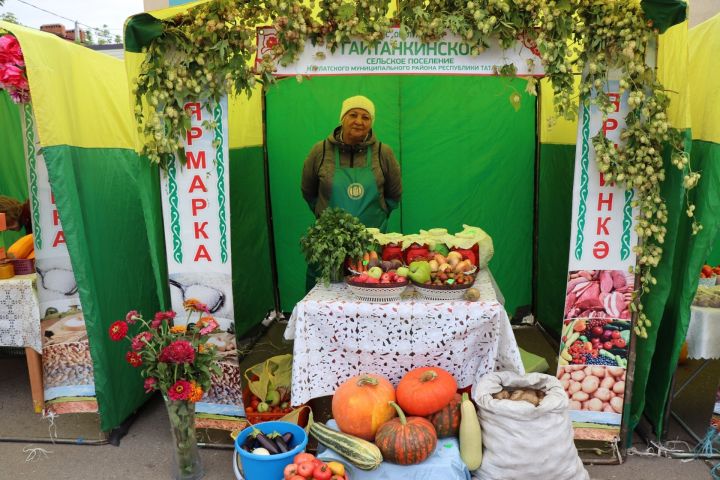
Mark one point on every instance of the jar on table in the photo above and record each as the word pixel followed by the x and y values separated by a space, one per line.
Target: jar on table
pixel 415 248
pixel 475 245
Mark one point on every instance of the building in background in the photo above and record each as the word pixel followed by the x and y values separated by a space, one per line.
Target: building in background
pixel 59 30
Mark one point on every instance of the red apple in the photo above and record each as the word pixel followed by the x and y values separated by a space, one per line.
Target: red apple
pixel 385 278
pixel 607 345
pixel 401 279
pixel 372 280
pixel 362 278
pixel 305 469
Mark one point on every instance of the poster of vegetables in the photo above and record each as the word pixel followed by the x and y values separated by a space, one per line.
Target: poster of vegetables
pixel 597 320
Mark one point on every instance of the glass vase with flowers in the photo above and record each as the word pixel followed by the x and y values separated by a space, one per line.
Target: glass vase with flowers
pixel 178 361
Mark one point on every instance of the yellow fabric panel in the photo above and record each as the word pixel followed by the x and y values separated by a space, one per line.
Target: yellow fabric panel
pixel 672 63
pixel 703 74
pixel 245 119
pixel 78 95
pixel 563 132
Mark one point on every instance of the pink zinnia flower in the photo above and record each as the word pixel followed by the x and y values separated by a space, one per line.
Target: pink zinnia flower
pixel 209 326
pixel 160 316
pixel 118 330
pixel 140 340
pixel 133 358
pixel 150 384
pixel 180 351
pixel 180 390
pixel 132 316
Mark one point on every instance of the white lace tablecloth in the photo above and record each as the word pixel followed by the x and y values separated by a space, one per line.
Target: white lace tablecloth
pixel 337 337
pixel 703 336
pixel 19 313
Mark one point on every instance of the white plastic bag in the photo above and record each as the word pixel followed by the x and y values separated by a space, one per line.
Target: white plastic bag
pixel 522 441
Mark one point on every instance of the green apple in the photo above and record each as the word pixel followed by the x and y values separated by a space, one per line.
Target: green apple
pixel 272 398
pixel 375 272
pixel 419 271
pixel 402 272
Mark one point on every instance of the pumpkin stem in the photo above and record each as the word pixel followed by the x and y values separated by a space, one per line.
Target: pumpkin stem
pixel 366 380
pixel 401 414
pixel 428 376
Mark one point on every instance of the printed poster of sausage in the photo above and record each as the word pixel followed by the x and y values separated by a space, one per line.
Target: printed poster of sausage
pixel 594 350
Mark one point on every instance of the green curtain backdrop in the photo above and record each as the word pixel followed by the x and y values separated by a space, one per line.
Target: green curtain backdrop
pixel 13 180
pixel 466 155
pixel 98 195
pixel 557 166
pixel 251 276
pixel 678 277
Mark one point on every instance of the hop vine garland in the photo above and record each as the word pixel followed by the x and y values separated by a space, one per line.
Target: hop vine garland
pixel 205 53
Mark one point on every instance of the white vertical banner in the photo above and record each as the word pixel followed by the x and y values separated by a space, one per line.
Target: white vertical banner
pixel 597 323
pixel 67 366
pixel 196 213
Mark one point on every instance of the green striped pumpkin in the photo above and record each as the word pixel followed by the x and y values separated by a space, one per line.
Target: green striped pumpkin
pixel 447 420
pixel 406 441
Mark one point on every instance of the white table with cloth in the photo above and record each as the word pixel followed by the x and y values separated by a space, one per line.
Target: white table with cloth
pixel 338 336
pixel 20 327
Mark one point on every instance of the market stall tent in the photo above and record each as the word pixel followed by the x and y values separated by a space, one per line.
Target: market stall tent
pixel 87 137
pixel 413 118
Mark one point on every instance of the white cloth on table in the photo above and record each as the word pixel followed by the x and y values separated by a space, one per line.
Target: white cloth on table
pixel 337 337
pixel 20 313
pixel 703 336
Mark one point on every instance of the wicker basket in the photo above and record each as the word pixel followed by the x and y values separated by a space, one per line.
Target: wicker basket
pixel 377 292
pixel 23 266
pixel 442 292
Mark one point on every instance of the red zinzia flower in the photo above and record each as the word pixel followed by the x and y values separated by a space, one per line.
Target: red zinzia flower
pixel 180 351
pixel 132 316
pixel 160 316
pixel 180 390
pixel 10 51
pixel 118 330
pixel 150 384
pixel 133 358
pixel 140 340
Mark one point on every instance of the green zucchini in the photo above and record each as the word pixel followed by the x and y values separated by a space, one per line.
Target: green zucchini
pixel 361 453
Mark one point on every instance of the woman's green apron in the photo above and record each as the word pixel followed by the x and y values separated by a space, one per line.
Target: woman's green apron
pixel 354 189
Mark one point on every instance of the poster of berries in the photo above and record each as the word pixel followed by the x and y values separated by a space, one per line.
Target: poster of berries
pixel 597 320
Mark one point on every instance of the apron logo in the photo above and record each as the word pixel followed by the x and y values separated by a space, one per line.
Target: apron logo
pixel 355 191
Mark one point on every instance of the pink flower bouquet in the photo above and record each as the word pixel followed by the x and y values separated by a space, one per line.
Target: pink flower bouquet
pixel 13 77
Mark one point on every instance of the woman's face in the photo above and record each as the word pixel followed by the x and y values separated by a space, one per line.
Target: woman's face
pixel 355 125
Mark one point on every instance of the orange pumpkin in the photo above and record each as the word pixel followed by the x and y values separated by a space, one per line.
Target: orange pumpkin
pixel 425 390
pixel 362 404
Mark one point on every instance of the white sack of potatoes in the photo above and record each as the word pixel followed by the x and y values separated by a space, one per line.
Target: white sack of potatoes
pixel 520 440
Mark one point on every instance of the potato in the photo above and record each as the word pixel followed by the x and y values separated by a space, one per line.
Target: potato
pixel 619 387
pixel 574 387
pixel 594 405
pixel 574 405
pixel 580 396
pixel 502 395
pixel 603 394
pixel 616 371
pixel 607 408
pixel 566 376
pixel 578 376
pixel 588 371
pixel 598 372
pixel 590 384
pixel 616 404
pixel 565 384
pixel 517 394
pixel 530 397
pixel 607 382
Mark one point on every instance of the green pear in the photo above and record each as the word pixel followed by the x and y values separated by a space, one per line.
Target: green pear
pixel 375 272
pixel 419 271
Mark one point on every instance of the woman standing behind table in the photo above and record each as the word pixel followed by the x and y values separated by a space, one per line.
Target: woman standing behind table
pixel 351 169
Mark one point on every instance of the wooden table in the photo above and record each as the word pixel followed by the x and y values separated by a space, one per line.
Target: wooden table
pixel 20 327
